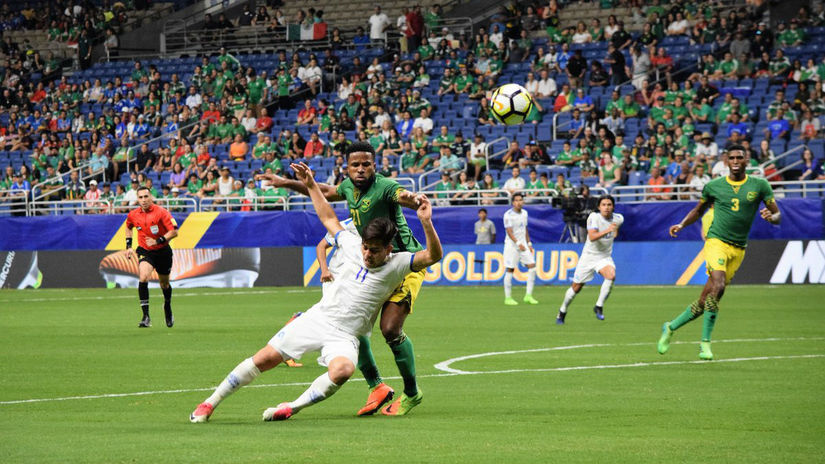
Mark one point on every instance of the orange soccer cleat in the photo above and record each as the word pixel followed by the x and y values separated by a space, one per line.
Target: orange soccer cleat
pixel 379 396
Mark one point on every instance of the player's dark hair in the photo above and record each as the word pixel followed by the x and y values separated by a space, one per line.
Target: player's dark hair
pixel 607 197
pixel 484 210
pixel 517 195
pixel 143 187
pixel 380 229
pixel 737 147
pixel 360 146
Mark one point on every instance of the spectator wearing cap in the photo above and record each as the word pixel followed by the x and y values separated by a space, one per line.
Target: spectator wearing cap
pixel 92 196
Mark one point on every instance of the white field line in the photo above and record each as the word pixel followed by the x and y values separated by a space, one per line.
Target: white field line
pixel 445 365
pixel 455 372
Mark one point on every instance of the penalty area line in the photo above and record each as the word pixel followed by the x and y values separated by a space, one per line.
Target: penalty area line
pixel 445 374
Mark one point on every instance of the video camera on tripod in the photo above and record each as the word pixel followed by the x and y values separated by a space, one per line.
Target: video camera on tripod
pixel 576 207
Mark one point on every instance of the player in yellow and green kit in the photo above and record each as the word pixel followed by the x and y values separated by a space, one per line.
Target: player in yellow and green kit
pixel 369 196
pixel 735 200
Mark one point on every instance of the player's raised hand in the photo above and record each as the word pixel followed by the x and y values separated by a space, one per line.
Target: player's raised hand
pixel 674 230
pixel 303 173
pixel 766 214
pixel 425 210
pixel 421 198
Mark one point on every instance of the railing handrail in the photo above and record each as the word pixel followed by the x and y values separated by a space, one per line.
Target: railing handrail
pixel 423 175
pixel 489 144
pixel 785 154
pixel 100 206
pixel 258 201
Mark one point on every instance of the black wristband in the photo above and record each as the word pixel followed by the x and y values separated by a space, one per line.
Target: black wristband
pixel 128 242
pixel 161 239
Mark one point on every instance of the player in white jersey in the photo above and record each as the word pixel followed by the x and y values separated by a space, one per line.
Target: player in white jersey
pixel 366 275
pixel 518 249
pixel 602 228
pixel 321 252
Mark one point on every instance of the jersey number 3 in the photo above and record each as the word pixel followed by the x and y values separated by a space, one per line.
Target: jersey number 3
pixel 734 204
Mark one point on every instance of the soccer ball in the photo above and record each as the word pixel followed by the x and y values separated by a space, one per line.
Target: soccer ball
pixel 511 104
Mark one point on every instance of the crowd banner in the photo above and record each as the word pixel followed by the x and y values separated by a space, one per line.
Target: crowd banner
pixel 802 219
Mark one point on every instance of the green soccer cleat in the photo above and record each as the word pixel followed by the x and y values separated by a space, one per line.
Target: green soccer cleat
pixel 704 351
pixel 530 300
pixel 664 340
pixel 510 302
pixel 403 405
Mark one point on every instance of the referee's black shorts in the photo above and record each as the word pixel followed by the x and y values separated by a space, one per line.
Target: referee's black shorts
pixel 160 259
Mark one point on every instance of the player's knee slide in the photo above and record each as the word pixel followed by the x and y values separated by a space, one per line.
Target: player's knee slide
pixel 696 309
pixel 397 340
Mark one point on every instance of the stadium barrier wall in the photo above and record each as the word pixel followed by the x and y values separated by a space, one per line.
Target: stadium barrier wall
pixel 801 219
pixel 638 263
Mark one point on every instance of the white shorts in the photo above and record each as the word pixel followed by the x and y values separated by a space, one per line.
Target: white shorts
pixel 310 332
pixel 589 265
pixel 513 256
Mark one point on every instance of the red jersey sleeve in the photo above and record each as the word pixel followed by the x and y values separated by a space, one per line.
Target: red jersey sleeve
pixel 129 222
pixel 168 221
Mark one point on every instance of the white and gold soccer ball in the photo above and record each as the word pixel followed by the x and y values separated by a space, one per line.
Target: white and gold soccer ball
pixel 511 103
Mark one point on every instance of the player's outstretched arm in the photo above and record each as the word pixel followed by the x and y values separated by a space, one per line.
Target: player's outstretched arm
pixel 321 256
pixel 432 254
pixel 691 217
pixel 328 191
pixel 322 206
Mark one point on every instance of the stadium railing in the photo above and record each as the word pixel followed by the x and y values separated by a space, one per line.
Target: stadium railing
pixel 496 154
pixel 683 192
pixel 458 198
pixel 422 179
pixel 300 202
pixel 799 188
pixel 648 193
pixel 229 203
pixel 50 207
pixel 779 159
pixel 178 205
pixel 39 193
pixel 14 202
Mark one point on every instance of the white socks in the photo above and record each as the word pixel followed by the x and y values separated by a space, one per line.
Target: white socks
pixel 568 298
pixel 322 388
pixel 607 286
pixel 531 280
pixel 508 284
pixel 243 374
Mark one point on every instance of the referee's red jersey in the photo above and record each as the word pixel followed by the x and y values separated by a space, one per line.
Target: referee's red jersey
pixel 152 223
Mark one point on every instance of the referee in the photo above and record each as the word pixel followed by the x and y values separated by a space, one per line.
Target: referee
pixel 156 227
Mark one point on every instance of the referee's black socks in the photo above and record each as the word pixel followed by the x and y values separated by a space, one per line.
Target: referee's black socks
pixel 143 294
pixel 167 298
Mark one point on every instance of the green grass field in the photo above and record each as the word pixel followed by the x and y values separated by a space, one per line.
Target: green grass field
pixel 109 392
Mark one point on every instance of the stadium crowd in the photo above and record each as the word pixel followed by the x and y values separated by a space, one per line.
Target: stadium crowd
pixel 631 109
